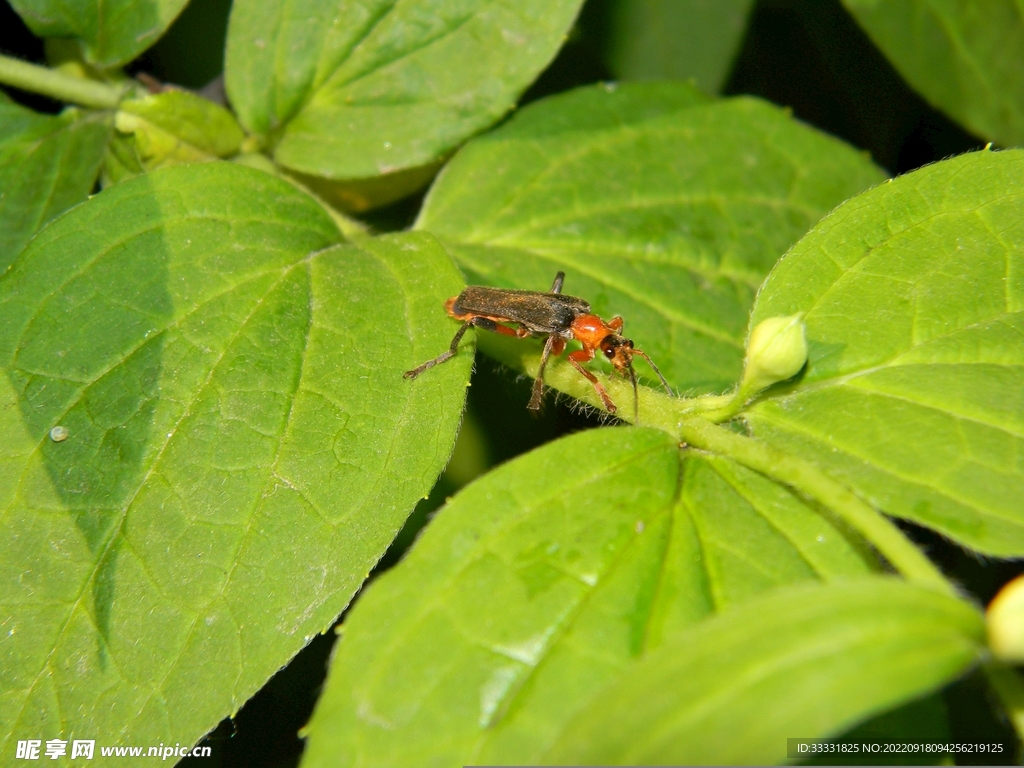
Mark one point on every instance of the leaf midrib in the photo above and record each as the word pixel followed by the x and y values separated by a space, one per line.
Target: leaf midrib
pixel 567 621
pixel 744 492
pixel 825 241
pixel 272 472
pixel 319 84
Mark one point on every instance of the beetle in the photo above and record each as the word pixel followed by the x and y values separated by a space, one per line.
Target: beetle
pixel 555 315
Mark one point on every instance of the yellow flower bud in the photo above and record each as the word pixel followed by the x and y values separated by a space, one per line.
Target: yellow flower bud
pixel 1005 621
pixel 776 351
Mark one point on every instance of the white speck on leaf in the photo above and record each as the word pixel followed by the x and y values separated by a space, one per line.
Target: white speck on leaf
pixel 367 715
pixel 513 37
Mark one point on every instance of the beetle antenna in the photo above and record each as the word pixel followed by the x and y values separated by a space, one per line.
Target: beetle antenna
pixel 651 363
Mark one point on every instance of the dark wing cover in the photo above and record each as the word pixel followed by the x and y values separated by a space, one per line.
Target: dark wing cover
pixel 536 311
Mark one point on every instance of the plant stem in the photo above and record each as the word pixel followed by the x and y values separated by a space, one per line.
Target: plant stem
pixel 806 478
pixel 57 85
pixel 1009 687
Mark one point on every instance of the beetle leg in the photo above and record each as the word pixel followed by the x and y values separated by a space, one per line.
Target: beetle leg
pixel 452 350
pixel 554 345
pixel 490 325
pixel 556 287
pixel 479 322
pixel 582 356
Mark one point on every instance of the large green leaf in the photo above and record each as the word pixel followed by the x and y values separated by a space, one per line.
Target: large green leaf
pixel 653 39
pixel 350 89
pixel 47 165
pixel 805 661
pixel 111 32
pixel 962 55
pixel 544 580
pixel 913 295
pixel 660 206
pixel 241 447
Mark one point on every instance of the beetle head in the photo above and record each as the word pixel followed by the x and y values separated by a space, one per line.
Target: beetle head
pixel 619 351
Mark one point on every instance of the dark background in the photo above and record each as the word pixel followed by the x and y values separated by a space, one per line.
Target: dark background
pixel 808 55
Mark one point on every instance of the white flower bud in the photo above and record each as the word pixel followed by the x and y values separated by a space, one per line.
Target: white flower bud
pixel 1005 621
pixel 776 351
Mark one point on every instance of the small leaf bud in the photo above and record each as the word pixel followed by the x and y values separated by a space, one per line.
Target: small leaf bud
pixel 776 351
pixel 1005 621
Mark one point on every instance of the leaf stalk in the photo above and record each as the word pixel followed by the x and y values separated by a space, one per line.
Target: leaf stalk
pixel 58 85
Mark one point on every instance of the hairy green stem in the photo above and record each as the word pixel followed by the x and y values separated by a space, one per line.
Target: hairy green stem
pixel 807 479
pixel 730 406
pixel 1008 686
pixel 57 85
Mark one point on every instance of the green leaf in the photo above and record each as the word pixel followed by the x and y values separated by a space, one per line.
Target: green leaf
pixel 681 39
pixel 660 205
pixel 47 165
pixel 195 121
pixel 913 297
pixel 241 447
pixel 808 661
pixel 961 55
pixel 542 581
pixel 111 32
pixel 167 129
pixel 356 90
